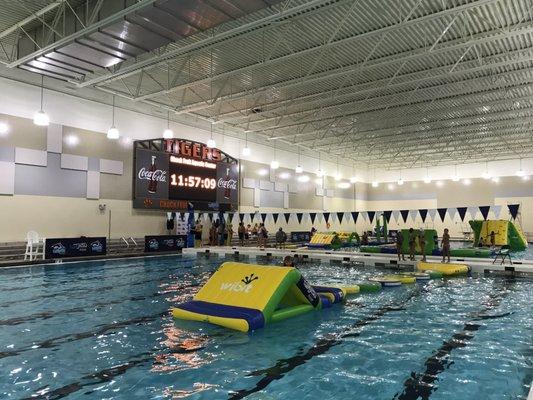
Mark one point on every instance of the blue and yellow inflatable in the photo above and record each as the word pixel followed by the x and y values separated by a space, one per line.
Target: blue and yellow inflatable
pixel 246 297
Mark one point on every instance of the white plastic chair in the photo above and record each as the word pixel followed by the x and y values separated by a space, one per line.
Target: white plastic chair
pixel 34 246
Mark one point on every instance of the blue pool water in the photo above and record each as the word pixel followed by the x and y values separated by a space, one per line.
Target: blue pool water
pixel 102 330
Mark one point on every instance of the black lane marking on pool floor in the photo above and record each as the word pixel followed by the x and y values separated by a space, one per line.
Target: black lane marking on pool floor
pixel 421 385
pixel 71 337
pixel 163 279
pixel 102 376
pixel 284 366
pixel 50 314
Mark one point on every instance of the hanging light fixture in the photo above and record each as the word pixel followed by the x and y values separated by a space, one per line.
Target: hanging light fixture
pixel 319 172
pixel 299 168
pixel 400 180
pixel 455 178
pixel 486 174
pixel 167 133
pixel 427 178
pixel 113 133
pixel 211 142
pixel 40 118
pixel 520 171
pixel 375 183
pixel 246 151
pixel 275 163
pixel 354 178
pixel 338 175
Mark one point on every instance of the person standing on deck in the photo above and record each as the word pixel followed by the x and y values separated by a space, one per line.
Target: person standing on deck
pixel 412 244
pixel 422 242
pixel 445 245
pixel 399 246
pixel 241 231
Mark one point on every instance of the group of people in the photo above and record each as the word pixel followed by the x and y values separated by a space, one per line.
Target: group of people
pixel 219 234
pixel 257 233
pixel 445 244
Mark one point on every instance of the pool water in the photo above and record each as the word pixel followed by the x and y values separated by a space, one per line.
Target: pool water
pixel 102 330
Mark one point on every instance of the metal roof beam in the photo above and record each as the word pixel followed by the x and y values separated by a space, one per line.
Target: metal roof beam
pixel 312 6
pixel 321 48
pixel 82 32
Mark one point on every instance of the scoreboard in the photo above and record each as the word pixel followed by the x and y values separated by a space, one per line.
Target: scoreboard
pixel 171 173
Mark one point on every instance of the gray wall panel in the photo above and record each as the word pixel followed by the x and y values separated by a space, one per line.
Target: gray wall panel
pixel 54 138
pixel 7 177
pixel 7 153
pixel 271 199
pixel 50 181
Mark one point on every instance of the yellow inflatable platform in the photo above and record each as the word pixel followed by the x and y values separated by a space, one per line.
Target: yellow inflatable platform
pixel 445 269
pixel 246 297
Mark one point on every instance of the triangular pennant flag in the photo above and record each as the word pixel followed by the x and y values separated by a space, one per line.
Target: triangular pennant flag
pixel 355 214
pixel 405 214
pixel 326 216
pixel 275 216
pixel 241 217
pixel 396 215
pixel 287 217
pixel 496 210
pixel 473 212
pixel 340 216
pixel 484 211
pixel 364 214
pixel 513 209
pixel 371 215
pixel 252 216
pixel 423 214
pixel 462 212
pixel 432 212
pixel 182 216
pixel 299 217
pixel 452 212
pixel 442 213
pixel 412 214
pixel 210 215
pixel 387 215
pixel 230 217
pixel 312 216
pixel 263 217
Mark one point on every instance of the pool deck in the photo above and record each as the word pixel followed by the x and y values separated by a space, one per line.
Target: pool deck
pixel 478 265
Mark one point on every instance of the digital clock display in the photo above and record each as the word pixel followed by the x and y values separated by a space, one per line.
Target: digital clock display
pixel 176 174
pixel 194 183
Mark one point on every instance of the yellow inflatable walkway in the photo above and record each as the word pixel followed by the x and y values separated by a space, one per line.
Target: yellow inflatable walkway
pixel 246 297
pixel 445 269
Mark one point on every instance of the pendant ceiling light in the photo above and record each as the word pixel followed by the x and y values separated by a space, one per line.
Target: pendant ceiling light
pixel 167 133
pixel 246 151
pixel 40 118
pixel 113 132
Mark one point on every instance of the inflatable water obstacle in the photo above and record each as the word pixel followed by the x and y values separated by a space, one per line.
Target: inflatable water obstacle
pixel 506 233
pixel 431 247
pixel 246 297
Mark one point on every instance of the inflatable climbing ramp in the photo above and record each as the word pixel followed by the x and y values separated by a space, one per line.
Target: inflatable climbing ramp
pixel 246 297
pixel 506 233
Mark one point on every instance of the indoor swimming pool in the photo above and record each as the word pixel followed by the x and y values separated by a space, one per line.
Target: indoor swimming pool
pixel 103 330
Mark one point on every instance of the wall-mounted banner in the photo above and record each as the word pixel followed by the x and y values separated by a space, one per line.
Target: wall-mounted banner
pixel 164 243
pixel 171 173
pixel 301 237
pixel 74 247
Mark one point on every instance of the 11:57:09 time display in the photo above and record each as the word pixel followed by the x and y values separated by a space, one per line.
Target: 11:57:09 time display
pixel 193 181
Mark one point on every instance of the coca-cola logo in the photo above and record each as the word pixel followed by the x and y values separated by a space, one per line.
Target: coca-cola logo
pixel 158 175
pixel 227 184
